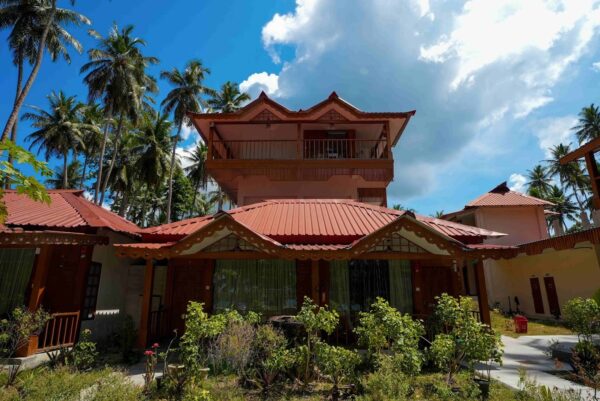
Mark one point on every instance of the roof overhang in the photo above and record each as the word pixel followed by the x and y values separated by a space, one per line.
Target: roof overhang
pixel 18 237
pixel 590 147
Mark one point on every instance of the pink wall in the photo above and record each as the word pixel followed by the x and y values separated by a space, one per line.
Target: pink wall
pixel 522 224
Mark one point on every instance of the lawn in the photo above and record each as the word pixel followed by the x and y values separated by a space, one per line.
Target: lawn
pixel 504 325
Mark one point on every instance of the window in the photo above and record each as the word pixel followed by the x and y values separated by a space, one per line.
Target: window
pixel 91 291
pixel 16 265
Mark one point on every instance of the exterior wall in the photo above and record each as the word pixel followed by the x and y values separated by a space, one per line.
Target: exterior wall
pixel 522 224
pixel 256 188
pixel 576 273
pixel 113 302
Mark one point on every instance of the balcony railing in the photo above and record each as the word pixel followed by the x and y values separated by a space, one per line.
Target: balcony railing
pixel 309 149
pixel 60 331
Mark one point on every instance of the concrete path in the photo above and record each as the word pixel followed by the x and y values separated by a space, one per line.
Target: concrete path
pixel 136 372
pixel 529 353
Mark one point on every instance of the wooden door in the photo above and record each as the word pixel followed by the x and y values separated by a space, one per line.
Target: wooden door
pixel 552 296
pixel 536 293
pixel 434 282
pixel 65 282
pixel 189 281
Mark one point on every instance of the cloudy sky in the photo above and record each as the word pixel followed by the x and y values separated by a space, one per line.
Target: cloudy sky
pixel 494 83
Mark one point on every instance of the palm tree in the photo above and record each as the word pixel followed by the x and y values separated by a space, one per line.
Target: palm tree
pixel 539 180
pixel 228 99
pixel 218 197
pixel 563 206
pixel 60 130
pixel 73 177
pixel 588 126
pixel 116 74
pixel 438 214
pixel 185 97
pixel 92 115
pixel 196 171
pixel 36 26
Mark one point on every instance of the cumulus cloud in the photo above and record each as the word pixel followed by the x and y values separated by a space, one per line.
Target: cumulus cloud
pixel 596 66
pixel 517 182
pixel 552 131
pixel 187 131
pixel 475 71
pixel 261 81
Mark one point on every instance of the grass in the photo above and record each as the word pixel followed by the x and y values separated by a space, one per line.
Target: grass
pixel 504 326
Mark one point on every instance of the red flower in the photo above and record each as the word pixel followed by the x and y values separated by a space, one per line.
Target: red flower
pixel 149 353
pixel 155 345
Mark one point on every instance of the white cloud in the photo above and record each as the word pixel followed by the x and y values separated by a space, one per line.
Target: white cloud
pixel 477 74
pixel 182 152
pixel 261 81
pixel 552 131
pixel 186 131
pixel 517 182
pixel 596 66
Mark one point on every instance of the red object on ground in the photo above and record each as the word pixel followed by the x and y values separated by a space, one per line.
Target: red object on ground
pixel 520 324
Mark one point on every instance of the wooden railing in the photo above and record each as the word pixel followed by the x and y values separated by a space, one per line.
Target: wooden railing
pixel 60 331
pixel 312 149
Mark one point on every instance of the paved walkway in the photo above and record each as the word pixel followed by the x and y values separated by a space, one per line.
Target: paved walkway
pixel 529 353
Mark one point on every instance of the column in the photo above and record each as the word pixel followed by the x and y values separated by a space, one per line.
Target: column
pixel 482 296
pixel 142 340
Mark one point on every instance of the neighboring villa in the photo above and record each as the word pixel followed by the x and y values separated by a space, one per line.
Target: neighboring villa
pixel 312 222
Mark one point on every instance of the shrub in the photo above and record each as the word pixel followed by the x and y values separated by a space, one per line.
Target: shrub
pixel 384 327
pixel 338 363
pixel 268 357
pixel 385 384
pixel 464 340
pixel 583 317
pixel 230 352
pixel 315 320
pixel 83 355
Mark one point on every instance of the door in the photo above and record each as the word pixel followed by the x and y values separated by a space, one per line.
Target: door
pixel 536 293
pixel 552 296
pixel 435 282
pixel 190 281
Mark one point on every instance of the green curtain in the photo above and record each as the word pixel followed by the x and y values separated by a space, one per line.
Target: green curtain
pixel 264 286
pixel 16 265
pixel 339 286
pixel 401 285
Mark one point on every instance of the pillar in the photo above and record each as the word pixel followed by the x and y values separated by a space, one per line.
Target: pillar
pixel 314 280
pixel 482 297
pixel 142 339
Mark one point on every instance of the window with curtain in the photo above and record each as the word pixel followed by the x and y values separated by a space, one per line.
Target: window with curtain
pixel 16 265
pixel 339 286
pixel 401 295
pixel 265 286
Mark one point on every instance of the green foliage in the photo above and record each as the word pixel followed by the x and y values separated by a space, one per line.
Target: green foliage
pixel 18 327
pixel 24 184
pixel 386 383
pixel 84 354
pixel 230 351
pixel 462 339
pixel 337 363
pixel 583 317
pixel 385 328
pixel 268 357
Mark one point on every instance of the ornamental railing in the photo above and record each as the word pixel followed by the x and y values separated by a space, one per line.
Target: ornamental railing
pixel 60 331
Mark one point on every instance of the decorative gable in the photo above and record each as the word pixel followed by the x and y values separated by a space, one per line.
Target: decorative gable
pixel 396 243
pixel 332 115
pixel 231 243
pixel 266 115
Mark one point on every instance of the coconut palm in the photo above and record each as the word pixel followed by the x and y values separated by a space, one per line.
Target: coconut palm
pixel 186 96
pixel 563 205
pixel 73 177
pixel 59 130
pixel 116 74
pixel 539 180
pixel 228 99
pixel 218 197
pixel 92 115
pixel 35 26
pixel 588 126
pixel 196 171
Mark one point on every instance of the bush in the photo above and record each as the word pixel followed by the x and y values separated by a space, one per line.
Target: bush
pixel 268 357
pixel 83 355
pixel 337 363
pixel 18 327
pixel 583 317
pixel 385 384
pixel 385 328
pixel 230 352
pixel 463 340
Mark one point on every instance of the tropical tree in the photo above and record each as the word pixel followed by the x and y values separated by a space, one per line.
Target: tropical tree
pixel 218 197
pixel 563 206
pixel 36 26
pixel 116 74
pixel 59 130
pixel 438 214
pixel 186 96
pixel 539 180
pixel 93 115
pixel 196 170
pixel 228 99
pixel 588 125
pixel 73 177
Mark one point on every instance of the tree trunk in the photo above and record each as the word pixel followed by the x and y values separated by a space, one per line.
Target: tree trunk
pixel 170 196
pixel 65 171
pixel 83 172
pixel 13 134
pixel 585 220
pixel 29 83
pixel 102 151
pixel 196 189
pixel 114 158
pixel 124 203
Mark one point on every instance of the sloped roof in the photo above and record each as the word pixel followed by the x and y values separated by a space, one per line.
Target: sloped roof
pixel 67 209
pixel 313 221
pixel 503 196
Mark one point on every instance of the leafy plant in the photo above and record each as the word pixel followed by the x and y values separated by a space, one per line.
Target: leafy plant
pixel 386 383
pixel 268 357
pixel 150 368
pixel 231 350
pixel 315 320
pixel 337 363
pixel 83 355
pixel 583 317
pixel 385 328
pixel 464 340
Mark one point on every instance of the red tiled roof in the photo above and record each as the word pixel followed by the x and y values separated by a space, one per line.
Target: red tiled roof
pixel 503 196
pixel 67 209
pixel 324 221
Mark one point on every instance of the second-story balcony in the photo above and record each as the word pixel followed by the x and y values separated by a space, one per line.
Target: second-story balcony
pixel 303 149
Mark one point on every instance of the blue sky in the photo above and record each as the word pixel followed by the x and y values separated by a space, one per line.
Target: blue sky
pixel 494 83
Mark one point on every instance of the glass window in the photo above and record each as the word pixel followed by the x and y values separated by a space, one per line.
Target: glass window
pixel 265 286
pixel 16 265
pixel 91 291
